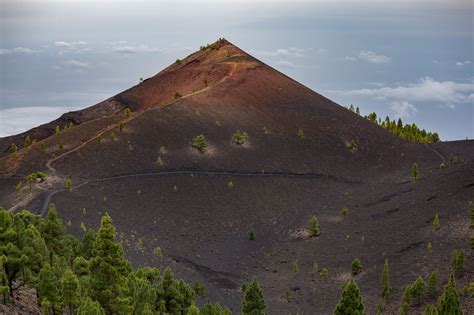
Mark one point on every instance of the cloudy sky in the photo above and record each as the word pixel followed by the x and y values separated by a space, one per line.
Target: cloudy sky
pixel 408 58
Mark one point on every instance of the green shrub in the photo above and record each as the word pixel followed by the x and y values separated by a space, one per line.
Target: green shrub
pixel 356 266
pixel 344 212
pixel 121 126
pixel 324 273
pixel 352 146
pixel 68 184
pixel 251 234
pixel 178 61
pixel 200 143
pixel 300 133
pixel 127 111
pixel 239 137
pixel 177 95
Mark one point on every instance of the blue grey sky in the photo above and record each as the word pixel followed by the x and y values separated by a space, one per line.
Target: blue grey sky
pixel 409 59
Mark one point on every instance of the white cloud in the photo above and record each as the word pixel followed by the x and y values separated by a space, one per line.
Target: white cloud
pixel 70 45
pixel 76 64
pixel 17 120
pixel 425 90
pixel 369 56
pixel 17 50
pixel 281 52
pixel 463 63
pixel 403 109
pixel 134 49
pixel 286 63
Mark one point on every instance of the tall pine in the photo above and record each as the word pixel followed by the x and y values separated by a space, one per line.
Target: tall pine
pixel 108 270
pixel 254 302
pixel 350 302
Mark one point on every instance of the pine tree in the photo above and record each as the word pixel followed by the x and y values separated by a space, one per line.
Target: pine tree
pixel 193 310
pixel 254 302
pixel 433 283
pixel 57 130
pixel 414 171
pixel 430 310
pixel 108 269
pixel 68 184
pixel 418 288
pixel 53 232
pixel 350 302
pixel 12 236
pixel 69 290
pixel 356 266
pixel 404 309
pixel 251 234
pixel 4 288
pixel 48 288
pixel 448 302
pixel 89 307
pixel 314 226
pixel 436 224
pixel 457 262
pixel 386 288
pixel 37 255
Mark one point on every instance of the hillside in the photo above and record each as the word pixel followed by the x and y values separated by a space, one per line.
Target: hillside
pixel 139 166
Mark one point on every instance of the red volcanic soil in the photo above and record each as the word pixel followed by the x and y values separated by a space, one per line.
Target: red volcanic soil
pixel 186 206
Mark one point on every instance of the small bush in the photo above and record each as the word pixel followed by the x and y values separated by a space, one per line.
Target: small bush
pixel 300 133
pixel 121 126
pixel 344 212
pixel 205 81
pixel 57 130
pixel 442 165
pixel 14 147
pixel 159 161
pixel 230 184
pixel 295 266
pixel 127 111
pixel 265 130
pixel 178 61
pixel 200 143
pixel 157 250
pixel 68 184
pixel 433 283
pixel 352 146
pixel 324 273
pixel 356 266
pixel 239 137
pixel 251 234
pixel 61 145
pixel 199 289
pixel 177 95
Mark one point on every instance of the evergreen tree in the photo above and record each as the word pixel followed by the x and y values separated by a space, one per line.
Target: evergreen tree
pixel 350 302
pixel 436 224
pixel 68 184
pixel 141 290
pixel 215 309
pixel 69 290
pixel 53 232
pixel 108 269
pixel 433 283
pixel 448 302
pixel 457 262
pixel 4 288
pixel 89 307
pixel 418 288
pixel 314 226
pixel 414 171
pixel 48 289
pixel 356 266
pixel 87 243
pixel 12 236
pixel 37 254
pixel 193 310
pixel 386 288
pixel 254 302
pixel 430 310
pixel 404 309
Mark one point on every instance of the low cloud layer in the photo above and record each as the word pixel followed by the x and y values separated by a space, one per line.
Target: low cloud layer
pixel 403 109
pixel 369 56
pixel 15 51
pixel 425 90
pixel 18 120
